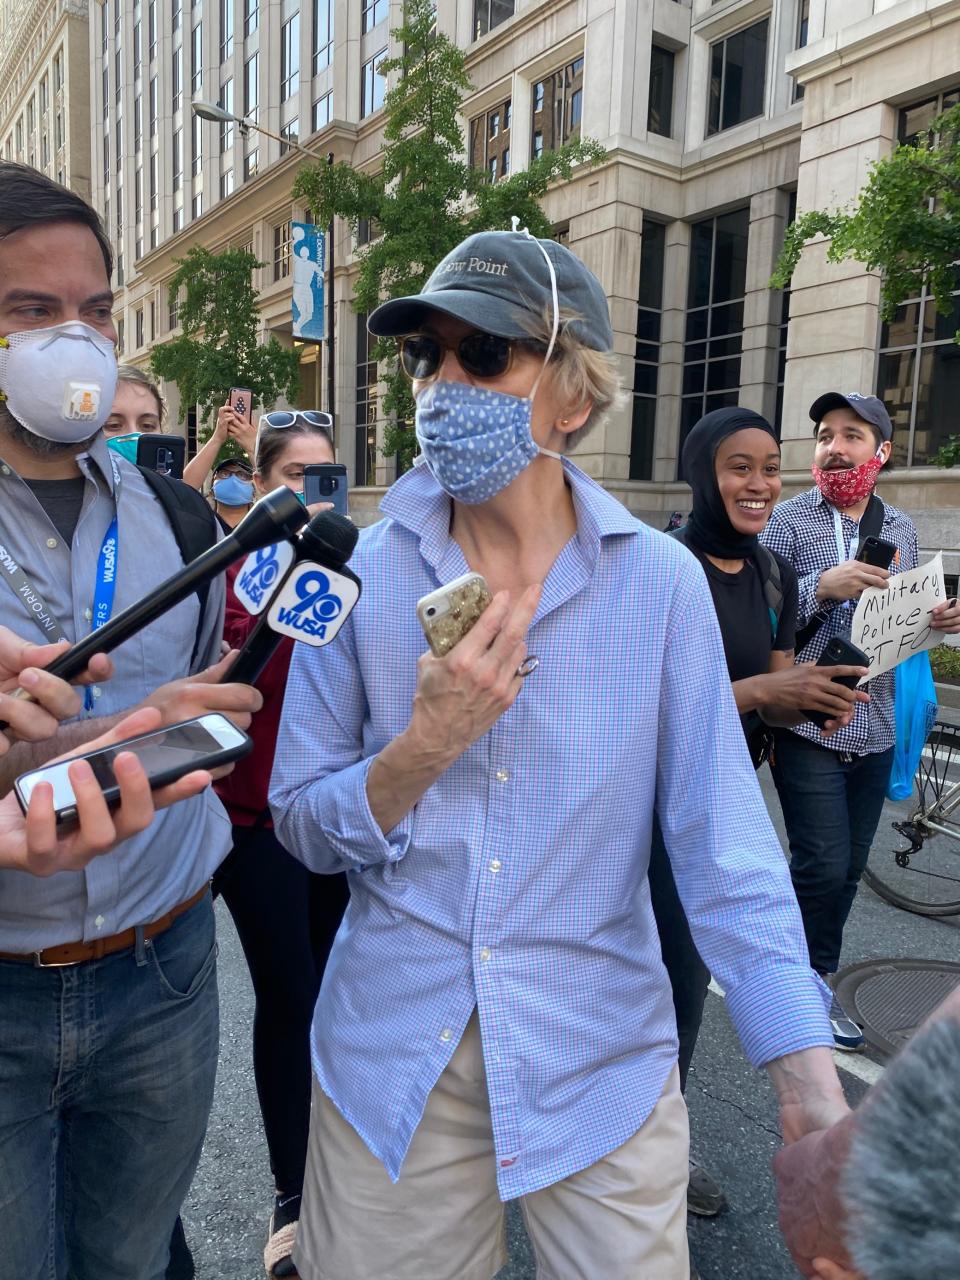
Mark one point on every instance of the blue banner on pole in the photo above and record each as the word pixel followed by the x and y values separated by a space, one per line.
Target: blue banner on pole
pixel 309 244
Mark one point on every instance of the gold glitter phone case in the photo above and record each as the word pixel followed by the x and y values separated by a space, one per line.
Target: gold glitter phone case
pixel 448 613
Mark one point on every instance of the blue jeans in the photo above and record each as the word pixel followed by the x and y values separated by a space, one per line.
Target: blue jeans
pixel 831 806
pixel 106 1081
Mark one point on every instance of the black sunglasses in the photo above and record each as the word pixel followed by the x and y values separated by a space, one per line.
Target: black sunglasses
pixel 482 355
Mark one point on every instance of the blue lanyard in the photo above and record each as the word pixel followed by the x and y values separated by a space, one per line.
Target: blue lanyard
pixel 104 589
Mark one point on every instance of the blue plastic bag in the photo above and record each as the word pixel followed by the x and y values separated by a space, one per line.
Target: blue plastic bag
pixel 914 709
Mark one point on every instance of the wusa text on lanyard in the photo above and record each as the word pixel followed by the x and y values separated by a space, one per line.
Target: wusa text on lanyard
pixel 104 590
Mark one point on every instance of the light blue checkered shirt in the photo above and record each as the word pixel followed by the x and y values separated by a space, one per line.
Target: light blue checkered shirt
pixel 518 883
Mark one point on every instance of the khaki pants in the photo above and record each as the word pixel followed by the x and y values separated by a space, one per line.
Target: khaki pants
pixel 623 1218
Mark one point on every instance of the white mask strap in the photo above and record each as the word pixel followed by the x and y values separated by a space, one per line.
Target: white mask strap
pixel 525 231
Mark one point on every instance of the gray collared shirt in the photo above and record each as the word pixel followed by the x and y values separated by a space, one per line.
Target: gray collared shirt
pixel 164 865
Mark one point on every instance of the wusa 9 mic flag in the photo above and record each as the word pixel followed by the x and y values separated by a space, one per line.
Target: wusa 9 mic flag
pixel 309 244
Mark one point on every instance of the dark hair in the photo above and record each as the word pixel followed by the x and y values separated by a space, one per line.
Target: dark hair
pixel 29 198
pixel 273 441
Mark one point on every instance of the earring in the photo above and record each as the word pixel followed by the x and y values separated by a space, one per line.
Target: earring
pixel 564 421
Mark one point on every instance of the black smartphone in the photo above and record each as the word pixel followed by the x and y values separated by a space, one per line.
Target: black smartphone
pixel 166 454
pixel 878 552
pixel 839 653
pixel 326 482
pixel 166 755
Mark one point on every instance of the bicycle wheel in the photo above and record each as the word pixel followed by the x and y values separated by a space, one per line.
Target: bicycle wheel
pixel 916 865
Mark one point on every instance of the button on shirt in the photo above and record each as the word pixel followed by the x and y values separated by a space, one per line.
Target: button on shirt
pixel 803 531
pixel 526 896
pixel 145 876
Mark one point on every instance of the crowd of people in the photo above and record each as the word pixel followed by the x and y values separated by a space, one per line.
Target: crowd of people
pixel 480 895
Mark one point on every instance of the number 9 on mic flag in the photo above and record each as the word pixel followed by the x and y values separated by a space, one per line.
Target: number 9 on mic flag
pixel 258 574
pixel 313 604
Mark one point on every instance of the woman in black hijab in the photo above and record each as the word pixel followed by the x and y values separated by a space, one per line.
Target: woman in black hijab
pixel 731 460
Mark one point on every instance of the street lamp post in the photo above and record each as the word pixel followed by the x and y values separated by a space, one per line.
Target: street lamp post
pixel 219 115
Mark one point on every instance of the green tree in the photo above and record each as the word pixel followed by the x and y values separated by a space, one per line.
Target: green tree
pixel 426 198
pixel 906 224
pixel 218 348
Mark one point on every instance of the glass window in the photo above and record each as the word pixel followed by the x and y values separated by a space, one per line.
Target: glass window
pixel 646 365
pixel 153 181
pixel 290 58
pixel 226 101
pixel 281 250
pixel 374 12
pixel 137 122
pixel 226 184
pixel 226 29
pixel 488 14
pixel 738 76
pixel 58 71
pixel 196 59
pixel 250 163
pixel 251 88
pixel 153 106
pixel 197 145
pixel 138 325
pixel 197 206
pixel 490 140
pixel 152 29
pixel 803 34
pixel 322 34
pixel 660 109
pixel 557 107
pixel 44 95
pixel 176 74
pixel 714 330
pixel 137 55
pixel 176 14
pixel 322 112
pixel 289 133
pixel 372 85
pixel 177 159
pixel 251 16
pixel 365 456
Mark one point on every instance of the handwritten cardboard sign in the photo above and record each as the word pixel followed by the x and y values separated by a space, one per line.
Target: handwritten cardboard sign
pixel 892 623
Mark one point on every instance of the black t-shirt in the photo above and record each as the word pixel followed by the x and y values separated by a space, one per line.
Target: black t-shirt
pixel 62 500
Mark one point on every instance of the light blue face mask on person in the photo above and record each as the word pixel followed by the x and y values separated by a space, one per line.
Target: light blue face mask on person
pixel 231 491
pixel 125 445
pixel 476 441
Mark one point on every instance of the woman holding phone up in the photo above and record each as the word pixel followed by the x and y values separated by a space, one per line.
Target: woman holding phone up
pixel 286 916
pixel 731 460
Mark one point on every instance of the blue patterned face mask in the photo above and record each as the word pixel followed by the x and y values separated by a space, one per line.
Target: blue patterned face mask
pixel 477 441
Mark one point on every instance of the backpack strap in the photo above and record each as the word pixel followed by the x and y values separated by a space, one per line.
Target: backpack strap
pixel 770 577
pixel 193 523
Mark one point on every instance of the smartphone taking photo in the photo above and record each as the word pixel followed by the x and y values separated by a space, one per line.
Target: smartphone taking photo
pixel 163 454
pixel 241 402
pixel 326 482
pixel 166 755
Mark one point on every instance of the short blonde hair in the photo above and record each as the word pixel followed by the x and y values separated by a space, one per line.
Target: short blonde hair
pixel 130 373
pixel 579 372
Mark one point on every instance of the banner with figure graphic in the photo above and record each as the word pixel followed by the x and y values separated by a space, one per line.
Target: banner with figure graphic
pixel 309 253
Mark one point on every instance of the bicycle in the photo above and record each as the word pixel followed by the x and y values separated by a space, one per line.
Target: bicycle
pixel 925 877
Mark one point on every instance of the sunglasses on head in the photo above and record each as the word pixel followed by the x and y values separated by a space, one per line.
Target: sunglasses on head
pixel 287 417
pixel 482 355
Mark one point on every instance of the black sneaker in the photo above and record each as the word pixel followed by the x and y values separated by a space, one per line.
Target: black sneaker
pixel 847 1036
pixel 705 1196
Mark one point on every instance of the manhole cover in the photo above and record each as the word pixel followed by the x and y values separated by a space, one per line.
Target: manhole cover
pixel 891 998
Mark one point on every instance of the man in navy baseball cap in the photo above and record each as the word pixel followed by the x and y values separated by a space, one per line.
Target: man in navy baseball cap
pixel 870 408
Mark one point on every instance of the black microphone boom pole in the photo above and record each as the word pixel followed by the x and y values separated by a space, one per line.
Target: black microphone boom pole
pixel 329 540
pixel 277 516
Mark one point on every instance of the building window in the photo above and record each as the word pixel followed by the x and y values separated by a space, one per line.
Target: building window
pixel 226 101
pixel 251 16
pixel 365 458
pixel 153 107
pixel 58 71
pixel 226 29
pixel 290 133
pixel 106 160
pixel 153 182
pixel 374 12
pixel 177 159
pixel 714 331
pixel 44 95
pixel 137 50
pixel 488 14
pixel 373 86
pixel 738 77
pixel 226 184
pixel 197 206
pixel 290 58
pixel 196 59
pixel 176 14
pixel 57 130
pixel 121 331
pixel 104 28
pixel 660 108
pixel 557 108
pixel 281 251
pixel 782 332
pixel 490 140
pixel 177 78
pixel 322 112
pixel 177 223
pixel 646 363
pixel 250 162
pixel 138 195
pixel 137 122
pixel 152 29
pixel 251 88
pixel 197 145
pixel 138 327
pixel 322 34
pixel 803 34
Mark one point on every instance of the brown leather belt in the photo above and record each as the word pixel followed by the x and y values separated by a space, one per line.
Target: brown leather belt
pixel 77 952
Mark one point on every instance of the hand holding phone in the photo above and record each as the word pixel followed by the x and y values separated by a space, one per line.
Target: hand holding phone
pixel 839 652
pixel 162 453
pixel 878 552
pixel 450 612
pixel 240 401
pixel 326 482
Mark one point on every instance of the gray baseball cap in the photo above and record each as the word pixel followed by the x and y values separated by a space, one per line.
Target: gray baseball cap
pixel 498 281
pixel 869 408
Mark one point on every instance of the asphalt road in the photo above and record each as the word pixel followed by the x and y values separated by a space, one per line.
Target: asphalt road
pixel 732 1114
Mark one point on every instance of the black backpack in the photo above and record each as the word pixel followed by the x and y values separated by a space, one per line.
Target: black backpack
pixel 770 578
pixel 193 523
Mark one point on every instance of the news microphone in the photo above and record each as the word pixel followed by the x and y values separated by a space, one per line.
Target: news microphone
pixel 312 599
pixel 279 514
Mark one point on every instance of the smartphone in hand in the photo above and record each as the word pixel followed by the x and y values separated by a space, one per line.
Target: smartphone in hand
pixel 839 653
pixel 877 552
pixel 166 755
pixel 326 482
pixel 162 453
pixel 241 402
pixel 448 613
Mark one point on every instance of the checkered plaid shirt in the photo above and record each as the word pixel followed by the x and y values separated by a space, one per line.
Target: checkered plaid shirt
pixel 518 883
pixel 803 531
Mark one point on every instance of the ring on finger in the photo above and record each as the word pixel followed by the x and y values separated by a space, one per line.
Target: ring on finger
pixel 528 666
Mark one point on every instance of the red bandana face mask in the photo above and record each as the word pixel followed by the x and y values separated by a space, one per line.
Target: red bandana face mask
pixel 846 488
